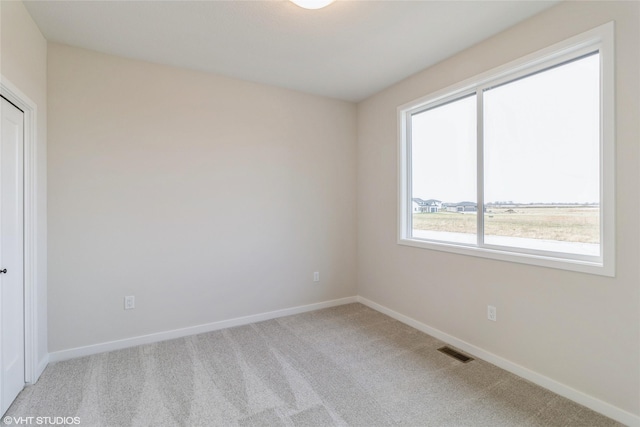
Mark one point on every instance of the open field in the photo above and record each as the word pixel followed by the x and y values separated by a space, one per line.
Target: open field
pixel 567 224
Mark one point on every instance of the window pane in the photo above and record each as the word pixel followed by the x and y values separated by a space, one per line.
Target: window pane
pixel 542 160
pixel 443 172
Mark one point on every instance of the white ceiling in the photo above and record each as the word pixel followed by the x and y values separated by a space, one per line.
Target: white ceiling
pixel 349 50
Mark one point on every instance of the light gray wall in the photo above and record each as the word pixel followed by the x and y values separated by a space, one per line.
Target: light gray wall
pixel 207 198
pixel 210 198
pixel 580 330
pixel 23 61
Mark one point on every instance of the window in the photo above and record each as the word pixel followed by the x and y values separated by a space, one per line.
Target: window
pixel 517 164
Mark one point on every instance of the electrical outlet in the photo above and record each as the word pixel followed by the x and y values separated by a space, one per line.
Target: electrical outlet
pixel 492 313
pixel 129 302
pixel 316 276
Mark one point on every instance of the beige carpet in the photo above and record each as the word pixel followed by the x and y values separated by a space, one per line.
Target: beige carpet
pixel 347 365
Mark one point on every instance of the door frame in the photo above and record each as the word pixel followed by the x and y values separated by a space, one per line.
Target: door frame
pixel 31 304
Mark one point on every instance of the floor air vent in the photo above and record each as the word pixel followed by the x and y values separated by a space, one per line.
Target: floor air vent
pixel 455 354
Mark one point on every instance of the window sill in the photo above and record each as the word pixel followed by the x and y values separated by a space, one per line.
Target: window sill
pixel 502 254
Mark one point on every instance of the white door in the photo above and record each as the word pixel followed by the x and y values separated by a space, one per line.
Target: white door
pixel 11 255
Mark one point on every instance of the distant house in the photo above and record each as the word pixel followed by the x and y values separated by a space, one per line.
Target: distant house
pixel 426 206
pixel 460 207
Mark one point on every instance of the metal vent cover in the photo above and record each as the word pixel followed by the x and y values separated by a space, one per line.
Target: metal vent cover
pixel 455 354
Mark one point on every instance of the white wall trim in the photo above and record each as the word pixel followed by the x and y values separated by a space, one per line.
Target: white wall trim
pixel 577 396
pixel 31 304
pixel 192 330
pixel 42 366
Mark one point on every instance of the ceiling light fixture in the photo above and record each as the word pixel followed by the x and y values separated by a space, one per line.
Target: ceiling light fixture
pixel 312 4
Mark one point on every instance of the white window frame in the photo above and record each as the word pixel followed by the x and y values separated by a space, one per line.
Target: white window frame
pixel 599 39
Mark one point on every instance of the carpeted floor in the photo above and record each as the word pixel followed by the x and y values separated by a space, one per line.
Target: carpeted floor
pixel 347 365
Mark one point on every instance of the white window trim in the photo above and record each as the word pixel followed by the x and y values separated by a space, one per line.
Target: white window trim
pixel 600 38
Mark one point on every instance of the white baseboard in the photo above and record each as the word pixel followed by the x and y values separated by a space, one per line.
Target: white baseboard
pixel 192 330
pixel 590 402
pixel 597 405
